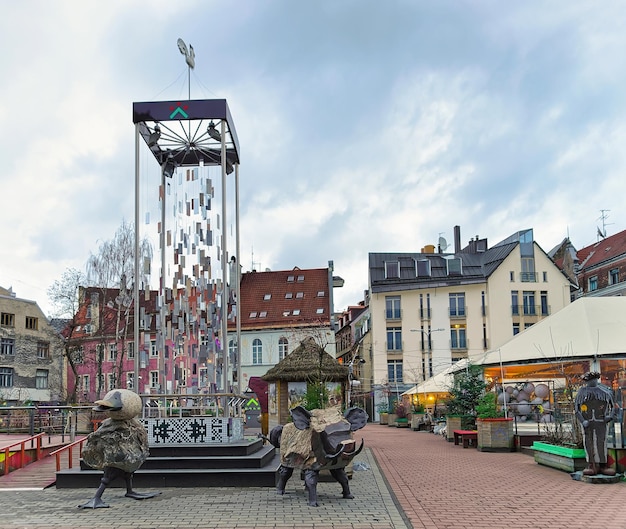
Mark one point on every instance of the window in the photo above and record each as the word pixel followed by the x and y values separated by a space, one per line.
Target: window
pixel 286 313
pixel 111 381
pixel 457 305
pixel 100 382
pixel 257 351
pixel 7 346
pixel 31 323
pixel 319 311
pixel 253 314
pixel 84 384
pixel 100 352
pixel 515 302
pixel 394 339
pixel 289 295
pixel 392 308
pixel 458 339
pixel 528 270
pixel 483 303
pixel 300 278
pixel 593 283
pixel 41 379
pixel 515 329
pixel 130 380
pixel 512 276
pixel 321 293
pixel 283 348
pixel 423 268
pixel 154 379
pixel 614 276
pixel 6 377
pixel 131 349
pixel 290 279
pixel 43 350
pixel 267 297
pixel 153 348
pixel 545 277
pixel 78 354
pixel 299 295
pixel 7 319
pixel 454 266
pixel 545 310
pixel 232 350
pixel 296 312
pixel 112 352
pixel 528 298
pixel 394 370
pixel 263 314
pixel 392 269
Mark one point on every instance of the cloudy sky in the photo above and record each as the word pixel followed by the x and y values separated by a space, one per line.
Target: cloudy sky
pixel 365 126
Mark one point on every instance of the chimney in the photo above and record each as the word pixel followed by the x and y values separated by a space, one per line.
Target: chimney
pixel 457 239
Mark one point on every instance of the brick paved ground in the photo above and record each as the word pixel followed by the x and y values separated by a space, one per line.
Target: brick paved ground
pixel 436 485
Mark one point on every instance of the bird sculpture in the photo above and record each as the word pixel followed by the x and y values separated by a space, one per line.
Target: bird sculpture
pixel 119 446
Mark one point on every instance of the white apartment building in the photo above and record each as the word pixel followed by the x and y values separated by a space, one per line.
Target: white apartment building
pixel 431 309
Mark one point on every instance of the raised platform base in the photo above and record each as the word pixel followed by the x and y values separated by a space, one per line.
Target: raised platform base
pixel 597 479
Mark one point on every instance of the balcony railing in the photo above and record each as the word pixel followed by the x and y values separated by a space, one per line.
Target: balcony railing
pixel 530 310
pixel 456 312
pixel 528 277
pixel 393 314
pixel 459 345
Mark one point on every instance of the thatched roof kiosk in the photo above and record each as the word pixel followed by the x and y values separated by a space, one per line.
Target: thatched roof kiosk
pixel 306 363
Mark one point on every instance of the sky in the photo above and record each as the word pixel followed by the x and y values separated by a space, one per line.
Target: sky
pixel 364 126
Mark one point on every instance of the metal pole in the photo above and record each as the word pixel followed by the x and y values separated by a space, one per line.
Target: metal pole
pixel 238 279
pixel 224 321
pixel 161 346
pixel 136 282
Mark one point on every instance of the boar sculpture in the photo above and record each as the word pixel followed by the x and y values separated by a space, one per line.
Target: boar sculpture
pixel 318 440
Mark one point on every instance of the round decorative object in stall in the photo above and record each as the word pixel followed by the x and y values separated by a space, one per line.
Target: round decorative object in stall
pixel 503 398
pixel 523 407
pixel 522 395
pixel 515 392
pixel 529 388
pixel 509 389
pixel 546 405
pixel 542 390
pixel 537 401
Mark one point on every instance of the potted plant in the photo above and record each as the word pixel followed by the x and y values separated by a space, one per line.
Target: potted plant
pixel 383 412
pixel 465 392
pixel 561 446
pixel 494 431
pixel 402 420
pixel 417 417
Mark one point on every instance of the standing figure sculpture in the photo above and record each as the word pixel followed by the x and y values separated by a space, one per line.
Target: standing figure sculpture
pixel 594 407
pixel 119 446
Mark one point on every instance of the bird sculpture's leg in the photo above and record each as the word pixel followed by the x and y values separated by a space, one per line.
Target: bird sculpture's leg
pixel 110 473
pixel 130 493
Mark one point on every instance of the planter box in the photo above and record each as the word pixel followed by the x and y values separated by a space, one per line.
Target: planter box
pixel 391 421
pixel 402 423
pixel 495 435
pixel 417 420
pixel 384 418
pixel 453 422
pixel 559 457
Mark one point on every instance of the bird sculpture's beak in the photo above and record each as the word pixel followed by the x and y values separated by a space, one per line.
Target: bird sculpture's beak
pixel 113 403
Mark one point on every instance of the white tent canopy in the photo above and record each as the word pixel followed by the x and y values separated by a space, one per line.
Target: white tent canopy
pixel 440 383
pixel 586 328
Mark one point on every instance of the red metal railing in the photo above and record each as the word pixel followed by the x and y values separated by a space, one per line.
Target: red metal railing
pixel 70 453
pixel 22 450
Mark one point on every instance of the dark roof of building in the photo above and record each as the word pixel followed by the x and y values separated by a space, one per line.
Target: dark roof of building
pixel 443 268
pixel 285 298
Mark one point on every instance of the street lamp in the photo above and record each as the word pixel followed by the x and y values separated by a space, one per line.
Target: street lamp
pixel 429 351
pixel 358 360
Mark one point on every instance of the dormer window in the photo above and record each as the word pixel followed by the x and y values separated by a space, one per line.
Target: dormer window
pixel 321 294
pixel 267 297
pixel 454 266
pixel 299 295
pixel 253 314
pixel 392 269
pixel 290 279
pixel 263 314
pixel 289 295
pixel 296 312
pixel 320 311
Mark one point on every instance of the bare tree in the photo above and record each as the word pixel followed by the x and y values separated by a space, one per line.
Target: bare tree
pixel 64 294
